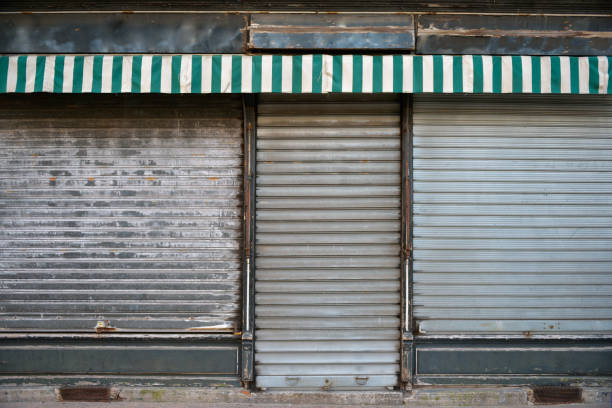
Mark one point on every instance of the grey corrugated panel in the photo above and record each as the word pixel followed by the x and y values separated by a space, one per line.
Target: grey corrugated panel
pixel 327 191
pixel 362 369
pixel 337 286
pixel 425 131
pixel 326 274
pixel 326 311
pixel 511 153
pixel 346 238
pixel 514 198
pixel 512 220
pixel 327 155
pixel 315 215
pixel 331 323
pixel 325 132
pixel 328 346
pixel 340 121
pixel 328 144
pixel 323 357
pixel 536 268
pixel 513 209
pixel 327 250
pixel 514 244
pixel 516 289
pixel 539 325
pixel 318 203
pixel 586 278
pixel 512 164
pixel 325 298
pixel 569 302
pixel 326 334
pixel 358 167
pixel 514 232
pixel 328 212
pixel 334 179
pixel 497 175
pixel 329 226
pixel 553 312
pixel 330 108
pixel 524 142
pixel 513 255
pixel 120 208
pixel 317 383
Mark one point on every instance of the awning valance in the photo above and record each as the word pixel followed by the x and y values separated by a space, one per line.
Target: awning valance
pixel 305 74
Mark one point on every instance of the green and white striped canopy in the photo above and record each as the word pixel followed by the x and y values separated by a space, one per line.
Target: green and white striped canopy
pixel 305 74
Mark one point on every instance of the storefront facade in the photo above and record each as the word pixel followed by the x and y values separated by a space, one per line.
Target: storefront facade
pixel 374 219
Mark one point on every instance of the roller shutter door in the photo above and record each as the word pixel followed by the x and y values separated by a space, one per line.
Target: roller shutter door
pixel 513 214
pixel 120 208
pixel 327 243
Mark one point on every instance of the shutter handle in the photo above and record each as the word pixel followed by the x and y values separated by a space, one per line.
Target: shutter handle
pixel 361 380
pixel 292 381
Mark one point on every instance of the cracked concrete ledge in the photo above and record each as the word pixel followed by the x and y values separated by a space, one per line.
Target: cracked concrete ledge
pixel 421 397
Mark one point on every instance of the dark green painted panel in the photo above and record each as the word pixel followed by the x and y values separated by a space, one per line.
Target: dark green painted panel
pixel 512 380
pixel 130 358
pixel 570 360
pixel 119 380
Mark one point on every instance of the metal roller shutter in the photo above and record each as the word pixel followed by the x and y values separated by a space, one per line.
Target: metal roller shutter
pixel 328 243
pixel 120 208
pixel 513 214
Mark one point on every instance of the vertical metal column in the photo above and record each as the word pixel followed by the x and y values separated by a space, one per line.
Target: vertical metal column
pixel 248 281
pixel 407 349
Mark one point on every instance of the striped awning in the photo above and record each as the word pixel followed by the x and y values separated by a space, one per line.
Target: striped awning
pixel 305 74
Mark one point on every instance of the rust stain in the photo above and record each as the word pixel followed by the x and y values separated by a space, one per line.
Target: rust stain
pixel 52 178
pixel 86 393
pixel 151 178
pixel 213 178
pixel 90 179
pixel 365 161
pixel 328 29
pixel 211 329
pixel 245 392
pixel 514 33
pixel 105 329
pixel 34 155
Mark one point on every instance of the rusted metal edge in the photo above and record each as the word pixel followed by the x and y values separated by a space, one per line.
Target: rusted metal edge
pixel 515 33
pixel 328 29
pixel 116 335
pixel 248 277
pixel 407 357
pixel 464 13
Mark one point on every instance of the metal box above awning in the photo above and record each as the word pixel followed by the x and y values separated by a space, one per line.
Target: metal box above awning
pixel 296 74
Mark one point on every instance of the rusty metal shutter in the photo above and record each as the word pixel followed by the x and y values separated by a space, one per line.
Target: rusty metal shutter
pixel 513 214
pixel 327 242
pixel 120 208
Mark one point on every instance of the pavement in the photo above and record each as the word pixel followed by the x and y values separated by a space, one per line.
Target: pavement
pixel 122 404
pixel 192 397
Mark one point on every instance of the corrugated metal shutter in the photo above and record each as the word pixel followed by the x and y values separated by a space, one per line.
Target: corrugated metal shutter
pixel 327 242
pixel 120 208
pixel 513 214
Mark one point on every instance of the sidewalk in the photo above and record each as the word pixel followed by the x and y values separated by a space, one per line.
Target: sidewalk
pixel 245 405
pixel 191 397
